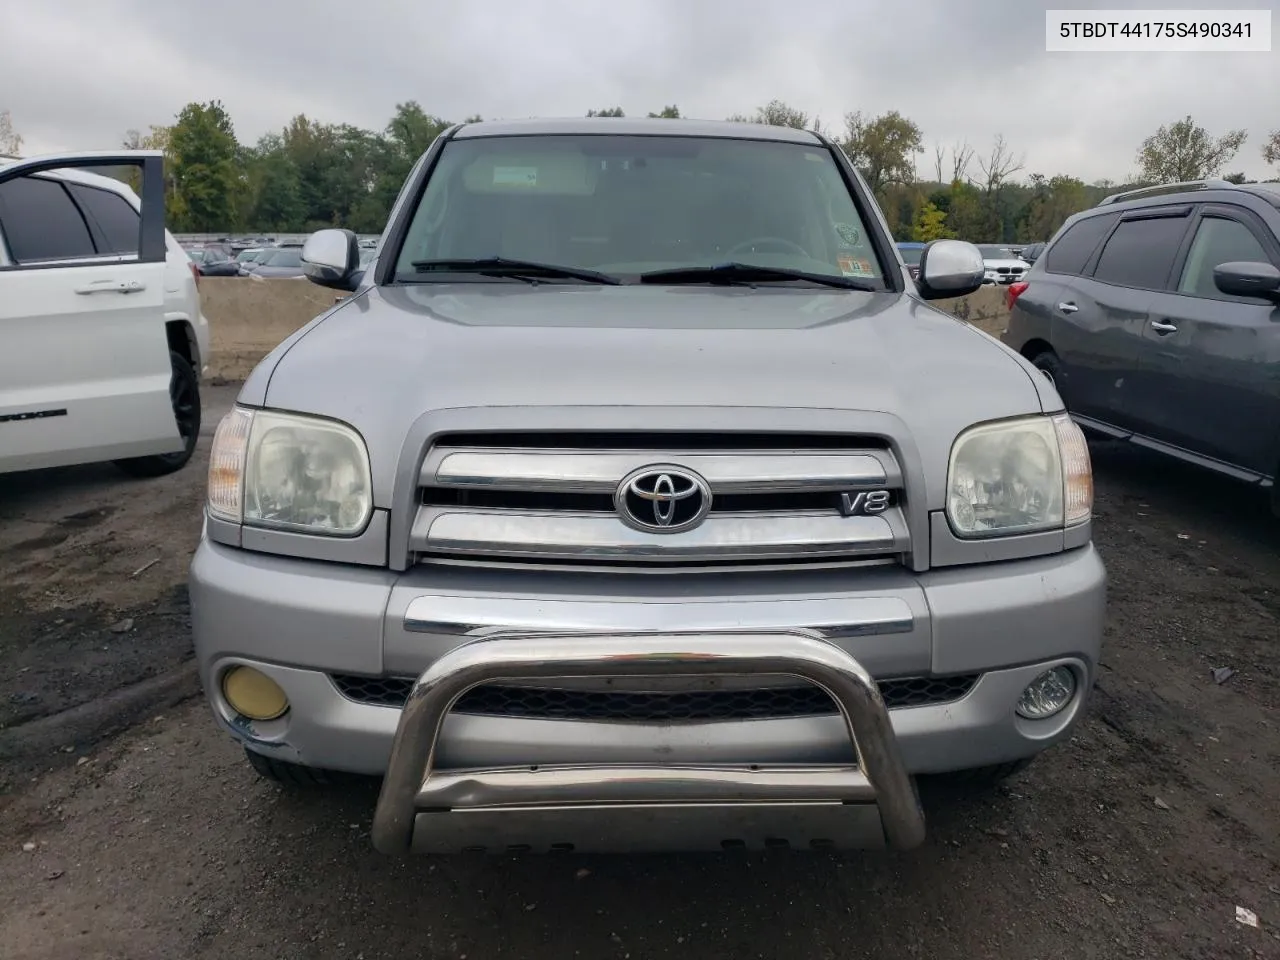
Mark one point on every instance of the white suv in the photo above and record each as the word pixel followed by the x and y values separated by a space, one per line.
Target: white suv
pixel 102 342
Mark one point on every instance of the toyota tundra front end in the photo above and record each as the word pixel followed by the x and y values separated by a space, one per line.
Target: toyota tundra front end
pixel 635 502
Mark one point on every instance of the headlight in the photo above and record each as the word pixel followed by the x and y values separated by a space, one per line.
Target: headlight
pixel 1019 476
pixel 290 472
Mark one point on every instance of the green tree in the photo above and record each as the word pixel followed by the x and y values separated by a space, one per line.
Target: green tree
pixel 10 141
pixel 406 138
pixel 931 224
pixel 412 130
pixel 965 216
pixel 775 114
pixel 276 188
pixel 883 148
pixel 202 144
pixel 1236 178
pixel 474 118
pixel 606 112
pixel 344 172
pixel 1183 151
pixel 671 112
pixel 157 138
pixel 997 168
pixel 1052 201
pixel 1271 148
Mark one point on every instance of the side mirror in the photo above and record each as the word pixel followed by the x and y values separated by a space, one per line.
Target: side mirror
pixel 1241 279
pixel 949 268
pixel 330 258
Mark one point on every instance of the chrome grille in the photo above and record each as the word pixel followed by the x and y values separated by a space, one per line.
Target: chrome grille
pixel 684 706
pixel 775 498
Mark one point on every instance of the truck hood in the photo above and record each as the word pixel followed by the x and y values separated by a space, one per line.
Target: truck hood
pixel 389 355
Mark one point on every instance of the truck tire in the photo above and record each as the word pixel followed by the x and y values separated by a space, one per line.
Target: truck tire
pixel 289 774
pixel 184 394
pixel 1047 362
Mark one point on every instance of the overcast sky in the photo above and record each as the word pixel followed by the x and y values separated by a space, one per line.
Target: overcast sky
pixel 76 74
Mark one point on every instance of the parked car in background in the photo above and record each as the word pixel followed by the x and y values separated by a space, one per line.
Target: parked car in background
pixel 279 263
pixel 1157 316
pixel 519 527
pixel 249 258
pixel 216 260
pixel 102 341
pixel 1031 252
pixel 911 252
pixel 1001 263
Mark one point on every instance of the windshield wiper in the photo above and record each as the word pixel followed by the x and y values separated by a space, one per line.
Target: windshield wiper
pixel 520 269
pixel 735 272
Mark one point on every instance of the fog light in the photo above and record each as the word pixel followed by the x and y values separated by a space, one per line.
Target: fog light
pixel 253 694
pixel 1047 694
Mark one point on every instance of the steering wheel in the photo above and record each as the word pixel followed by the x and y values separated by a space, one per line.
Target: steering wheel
pixel 789 245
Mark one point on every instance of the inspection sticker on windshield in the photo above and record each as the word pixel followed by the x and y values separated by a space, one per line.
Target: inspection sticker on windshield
pixel 854 267
pixel 515 176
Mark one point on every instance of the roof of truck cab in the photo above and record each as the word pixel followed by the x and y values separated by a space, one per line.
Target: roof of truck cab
pixel 634 126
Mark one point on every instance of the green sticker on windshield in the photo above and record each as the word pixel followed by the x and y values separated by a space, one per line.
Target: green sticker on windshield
pixel 515 176
pixel 850 236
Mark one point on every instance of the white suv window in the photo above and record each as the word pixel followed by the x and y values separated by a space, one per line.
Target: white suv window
pixel 119 224
pixel 41 222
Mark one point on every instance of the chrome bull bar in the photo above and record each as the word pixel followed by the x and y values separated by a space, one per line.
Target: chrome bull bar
pixel 416 797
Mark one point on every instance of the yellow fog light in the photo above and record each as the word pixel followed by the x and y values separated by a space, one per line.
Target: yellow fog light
pixel 253 694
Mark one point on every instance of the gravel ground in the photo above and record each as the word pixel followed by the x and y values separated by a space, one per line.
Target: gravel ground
pixel 1139 838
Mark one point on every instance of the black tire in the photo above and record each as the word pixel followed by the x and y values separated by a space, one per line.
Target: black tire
pixel 1047 362
pixel 982 777
pixel 184 394
pixel 289 774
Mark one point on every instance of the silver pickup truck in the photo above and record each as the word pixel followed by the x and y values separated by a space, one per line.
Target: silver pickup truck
pixel 636 498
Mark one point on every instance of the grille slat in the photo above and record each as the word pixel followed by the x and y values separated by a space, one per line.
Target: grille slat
pixel 550 498
pixel 688 706
pixel 660 440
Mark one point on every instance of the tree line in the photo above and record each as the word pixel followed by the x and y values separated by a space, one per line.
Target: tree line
pixel 310 175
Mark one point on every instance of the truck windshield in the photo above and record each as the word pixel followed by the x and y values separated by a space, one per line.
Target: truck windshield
pixel 628 205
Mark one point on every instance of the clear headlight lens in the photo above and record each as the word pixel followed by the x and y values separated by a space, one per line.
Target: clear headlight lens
pixel 1047 694
pixel 1019 476
pixel 289 472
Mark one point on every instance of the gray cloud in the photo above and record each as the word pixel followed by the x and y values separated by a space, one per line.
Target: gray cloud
pixel 76 75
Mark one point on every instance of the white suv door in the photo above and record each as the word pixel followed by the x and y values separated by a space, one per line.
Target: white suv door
pixel 84 362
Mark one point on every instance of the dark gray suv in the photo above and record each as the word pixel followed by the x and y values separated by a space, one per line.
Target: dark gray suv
pixel 1157 316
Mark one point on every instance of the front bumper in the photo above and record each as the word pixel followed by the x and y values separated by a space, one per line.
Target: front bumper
pixel 302 621
pixel 859 804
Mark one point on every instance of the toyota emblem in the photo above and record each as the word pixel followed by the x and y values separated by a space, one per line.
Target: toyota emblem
pixel 662 499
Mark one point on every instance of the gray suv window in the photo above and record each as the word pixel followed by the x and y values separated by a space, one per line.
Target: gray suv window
pixel 1218 240
pixel 1072 250
pixel 41 223
pixel 1141 252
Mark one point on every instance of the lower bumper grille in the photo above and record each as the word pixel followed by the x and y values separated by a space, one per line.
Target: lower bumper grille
pixel 690 706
